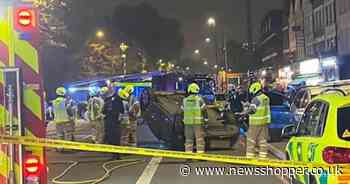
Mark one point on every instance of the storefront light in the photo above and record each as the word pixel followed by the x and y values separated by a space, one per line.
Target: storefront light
pixel 286 69
pixel 310 66
pixel 329 62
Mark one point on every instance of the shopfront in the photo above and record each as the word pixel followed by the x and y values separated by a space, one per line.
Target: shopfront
pixel 330 69
pixel 310 72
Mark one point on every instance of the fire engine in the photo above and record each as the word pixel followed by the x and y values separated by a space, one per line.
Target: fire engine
pixel 21 93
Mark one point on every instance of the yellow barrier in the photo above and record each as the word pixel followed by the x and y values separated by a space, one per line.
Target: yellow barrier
pixel 31 141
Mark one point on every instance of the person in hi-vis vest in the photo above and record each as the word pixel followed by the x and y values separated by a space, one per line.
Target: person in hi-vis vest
pixel 259 119
pixel 64 124
pixel 193 110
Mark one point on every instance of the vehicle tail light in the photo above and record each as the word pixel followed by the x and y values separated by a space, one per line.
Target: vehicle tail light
pixel 32 169
pixel 334 155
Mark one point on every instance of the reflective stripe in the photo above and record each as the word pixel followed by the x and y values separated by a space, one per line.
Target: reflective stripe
pixel 192 110
pixel 262 116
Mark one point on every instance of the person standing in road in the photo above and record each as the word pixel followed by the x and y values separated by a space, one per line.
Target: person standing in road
pixel 61 109
pixel 193 107
pixel 127 137
pixel 134 116
pixel 259 119
pixel 95 115
pixel 113 107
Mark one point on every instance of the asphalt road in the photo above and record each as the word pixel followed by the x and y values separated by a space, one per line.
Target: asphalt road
pixel 150 171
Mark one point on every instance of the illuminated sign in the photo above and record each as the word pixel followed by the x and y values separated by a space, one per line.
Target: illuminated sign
pixel 24 19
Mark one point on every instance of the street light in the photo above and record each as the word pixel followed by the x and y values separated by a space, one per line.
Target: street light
pixel 124 48
pixel 208 40
pixel 205 62
pixel 160 60
pixel 215 66
pixel 187 68
pixel 100 34
pixel 211 22
pixel 196 51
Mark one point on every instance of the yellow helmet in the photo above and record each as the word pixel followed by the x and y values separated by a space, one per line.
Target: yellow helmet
pixel 193 88
pixel 255 88
pixel 129 89
pixel 123 94
pixel 104 90
pixel 61 91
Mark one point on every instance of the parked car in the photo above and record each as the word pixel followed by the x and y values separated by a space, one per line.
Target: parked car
pixel 322 136
pixel 280 115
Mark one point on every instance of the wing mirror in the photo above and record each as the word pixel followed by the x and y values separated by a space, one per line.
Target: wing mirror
pixel 289 131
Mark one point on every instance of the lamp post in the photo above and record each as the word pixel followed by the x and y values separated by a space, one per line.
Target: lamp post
pixel 212 25
pixel 124 48
pixel 100 34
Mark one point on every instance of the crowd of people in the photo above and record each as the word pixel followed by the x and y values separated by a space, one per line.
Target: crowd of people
pixel 112 114
pixel 115 115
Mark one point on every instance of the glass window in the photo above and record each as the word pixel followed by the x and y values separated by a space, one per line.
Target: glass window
pixel 343 123
pixel 313 120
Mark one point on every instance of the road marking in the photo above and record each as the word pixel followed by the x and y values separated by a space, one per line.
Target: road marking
pixel 149 171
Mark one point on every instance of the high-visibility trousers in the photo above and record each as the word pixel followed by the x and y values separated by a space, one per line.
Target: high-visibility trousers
pixel 128 133
pixel 257 141
pixel 194 132
pixel 99 134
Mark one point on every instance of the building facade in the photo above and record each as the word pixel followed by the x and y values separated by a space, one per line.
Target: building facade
pixel 270 46
pixel 343 36
pixel 343 26
pixel 324 42
pixel 296 30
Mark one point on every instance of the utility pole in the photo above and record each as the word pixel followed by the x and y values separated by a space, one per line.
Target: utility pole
pixel 249 24
pixel 225 51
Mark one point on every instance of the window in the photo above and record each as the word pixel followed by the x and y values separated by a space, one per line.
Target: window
pixel 343 123
pixel 313 120
pixel 301 101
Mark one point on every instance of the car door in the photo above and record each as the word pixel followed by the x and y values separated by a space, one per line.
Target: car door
pixel 310 130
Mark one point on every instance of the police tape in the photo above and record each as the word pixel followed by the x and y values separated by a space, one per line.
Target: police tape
pixel 52 143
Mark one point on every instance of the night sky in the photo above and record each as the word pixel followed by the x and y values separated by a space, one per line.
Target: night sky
pixel 193 14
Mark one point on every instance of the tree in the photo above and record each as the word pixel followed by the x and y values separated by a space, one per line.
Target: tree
pixel 52 24
pixel 161 37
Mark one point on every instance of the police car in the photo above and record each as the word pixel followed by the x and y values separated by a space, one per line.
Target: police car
pixel 322 136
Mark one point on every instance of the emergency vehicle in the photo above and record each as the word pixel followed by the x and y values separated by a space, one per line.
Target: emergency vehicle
pixel 322 136
pixel 21 93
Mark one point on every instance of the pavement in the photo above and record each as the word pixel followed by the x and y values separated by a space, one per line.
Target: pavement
pixel 153 170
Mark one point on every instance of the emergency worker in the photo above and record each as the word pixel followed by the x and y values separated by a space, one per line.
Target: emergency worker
pixel 128 138
pixel 64 124
pixel 194 108
pixel 95 115
pixel 113 107
pixel 259 119
pixel 134 115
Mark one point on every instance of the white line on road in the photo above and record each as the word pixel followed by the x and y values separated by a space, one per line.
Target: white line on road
pixel 149 171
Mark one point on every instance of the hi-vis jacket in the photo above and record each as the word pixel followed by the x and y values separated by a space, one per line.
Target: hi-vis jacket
pixel 260 110
pixel 60 108
pixel 193 107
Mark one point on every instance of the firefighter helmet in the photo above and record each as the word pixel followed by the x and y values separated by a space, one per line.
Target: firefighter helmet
pixel 255 88
pixel 123 94
pixel 104 90
pixel 61 91
pixel 129 89
pixel 193 88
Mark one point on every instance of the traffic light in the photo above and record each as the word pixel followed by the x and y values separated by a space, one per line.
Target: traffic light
pixel 25 19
